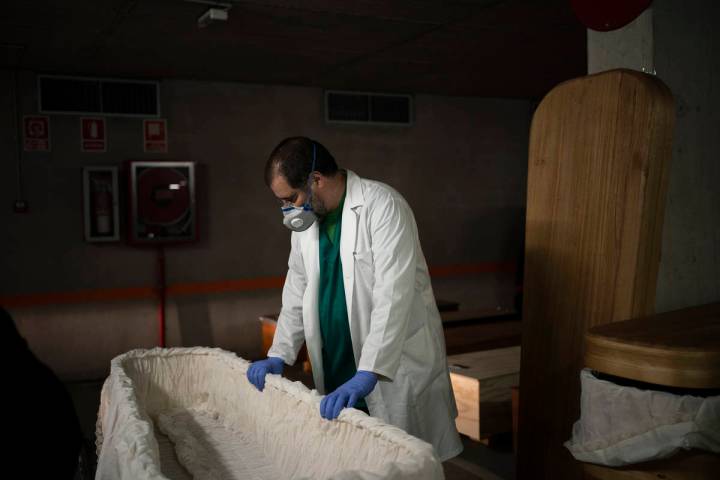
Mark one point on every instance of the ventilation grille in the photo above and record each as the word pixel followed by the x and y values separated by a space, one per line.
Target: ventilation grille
pixel 368 108
pixel 98 96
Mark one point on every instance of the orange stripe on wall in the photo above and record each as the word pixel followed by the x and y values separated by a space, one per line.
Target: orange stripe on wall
pixel 83 296
pixel 140 293
pixel 226 286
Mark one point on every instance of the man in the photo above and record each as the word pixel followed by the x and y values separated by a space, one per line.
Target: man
pixel 358 293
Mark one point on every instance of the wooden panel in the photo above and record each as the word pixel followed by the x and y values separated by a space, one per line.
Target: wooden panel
pixel 692 465
pixel 677 349
pixel 460 315
pixel 483 334
pixel 482 384
pixel 599 152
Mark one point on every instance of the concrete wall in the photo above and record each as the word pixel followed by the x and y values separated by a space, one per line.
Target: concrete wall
pixel 462 167
pixel 679 42
pixel 687 42
pixel 628 47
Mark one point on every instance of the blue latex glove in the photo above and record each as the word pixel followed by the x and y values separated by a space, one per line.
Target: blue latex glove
pixel 348 394
pixel 257 370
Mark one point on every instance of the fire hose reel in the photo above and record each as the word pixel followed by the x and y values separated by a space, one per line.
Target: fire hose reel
pixel 162 204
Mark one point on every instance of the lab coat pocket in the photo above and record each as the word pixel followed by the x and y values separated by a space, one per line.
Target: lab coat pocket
pixel 418 362
pixel 364 258
pixel 364 269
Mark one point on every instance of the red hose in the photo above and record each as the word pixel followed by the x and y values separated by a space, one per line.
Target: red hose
pixel 161 287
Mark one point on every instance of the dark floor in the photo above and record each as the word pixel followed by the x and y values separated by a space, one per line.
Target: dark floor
pixel 477 461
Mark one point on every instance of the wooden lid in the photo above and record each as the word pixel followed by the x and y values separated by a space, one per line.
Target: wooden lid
pixel 486 364
pixel 677 349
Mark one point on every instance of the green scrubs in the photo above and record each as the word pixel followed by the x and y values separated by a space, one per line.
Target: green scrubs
pixel 337 352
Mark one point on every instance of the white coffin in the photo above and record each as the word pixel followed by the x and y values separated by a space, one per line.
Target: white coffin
pixel 186 413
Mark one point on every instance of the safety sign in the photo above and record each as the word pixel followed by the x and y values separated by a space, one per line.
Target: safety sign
pixel 92 134
pixel 155 136
pixel 36 133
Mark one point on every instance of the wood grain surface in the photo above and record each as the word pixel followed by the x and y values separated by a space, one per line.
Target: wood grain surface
pixel 598 160
pixel 677 349
pixel 483 334
pixel 482 383
pixel 690 465
pixel 463 315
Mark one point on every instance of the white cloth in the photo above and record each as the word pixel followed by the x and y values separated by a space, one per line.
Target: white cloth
pixel 223 428
pixel 394 322
pixel 624 425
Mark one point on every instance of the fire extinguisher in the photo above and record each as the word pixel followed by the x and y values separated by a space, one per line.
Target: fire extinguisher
pixel 102 206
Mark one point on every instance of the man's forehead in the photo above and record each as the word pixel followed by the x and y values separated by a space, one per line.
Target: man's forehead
pixel 280 187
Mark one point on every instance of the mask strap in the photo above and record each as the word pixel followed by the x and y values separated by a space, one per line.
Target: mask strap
pixel 307 205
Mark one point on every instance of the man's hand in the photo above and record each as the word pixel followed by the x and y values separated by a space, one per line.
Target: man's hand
pixel 257 370
pixel 348 394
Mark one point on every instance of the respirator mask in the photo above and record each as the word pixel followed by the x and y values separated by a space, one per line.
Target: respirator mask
pixel 299 219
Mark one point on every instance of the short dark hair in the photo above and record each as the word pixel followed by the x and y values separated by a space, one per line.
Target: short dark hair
pixel 293 158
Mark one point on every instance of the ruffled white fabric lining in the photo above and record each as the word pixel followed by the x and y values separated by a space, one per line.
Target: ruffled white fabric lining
pixel 210 450
pixel 224 428
pixel 625 425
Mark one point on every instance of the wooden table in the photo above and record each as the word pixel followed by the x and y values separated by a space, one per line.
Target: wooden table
pixel 447 305
pixel 482 384
pixel 460 315
pixel 482 334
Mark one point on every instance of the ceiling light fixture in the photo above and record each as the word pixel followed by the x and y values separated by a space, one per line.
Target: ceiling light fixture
pixel 218 12
pixel 212 15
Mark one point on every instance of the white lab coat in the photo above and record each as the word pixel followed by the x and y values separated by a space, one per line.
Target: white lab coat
pixel 394 322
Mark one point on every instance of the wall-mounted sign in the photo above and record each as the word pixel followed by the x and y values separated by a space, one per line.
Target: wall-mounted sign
pixel 155 136
pixel 92 134
pixel 36 133
pixel 100 188
pixel 162 204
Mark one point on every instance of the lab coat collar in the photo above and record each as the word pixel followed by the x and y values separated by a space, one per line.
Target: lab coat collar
pixel 354 199
pixel 354 196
